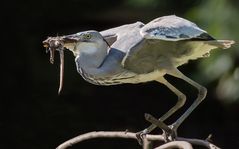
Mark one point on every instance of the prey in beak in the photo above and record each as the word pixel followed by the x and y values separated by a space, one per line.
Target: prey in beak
pixel 57 43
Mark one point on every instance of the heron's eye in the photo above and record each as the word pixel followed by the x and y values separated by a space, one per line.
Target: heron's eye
pixel 87 36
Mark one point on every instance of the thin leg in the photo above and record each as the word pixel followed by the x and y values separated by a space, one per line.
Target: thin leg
pixel 179 104
pixel 158 123
pixel 202 91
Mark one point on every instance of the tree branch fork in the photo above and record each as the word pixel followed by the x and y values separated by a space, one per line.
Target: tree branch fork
pixel 147 140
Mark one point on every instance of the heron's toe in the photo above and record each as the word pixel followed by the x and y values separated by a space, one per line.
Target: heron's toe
pixel 141 135
pixel 170 135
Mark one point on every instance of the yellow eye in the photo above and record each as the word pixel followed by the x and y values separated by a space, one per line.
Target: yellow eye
pixel 87 36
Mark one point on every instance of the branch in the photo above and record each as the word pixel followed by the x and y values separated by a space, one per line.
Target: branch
pixel 94 134
pixel 106 134
pixel 176 144
pixel 180 143
pixel 199 142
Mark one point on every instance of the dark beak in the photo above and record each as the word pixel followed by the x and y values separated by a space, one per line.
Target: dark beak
pixel 71 38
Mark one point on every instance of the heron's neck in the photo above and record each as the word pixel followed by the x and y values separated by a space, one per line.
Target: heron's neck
pixel 91 57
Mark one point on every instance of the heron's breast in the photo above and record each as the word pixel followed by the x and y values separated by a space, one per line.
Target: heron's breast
pixel 121 78
pixel 117 78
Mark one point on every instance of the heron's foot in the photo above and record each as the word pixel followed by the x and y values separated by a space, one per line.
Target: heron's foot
pixel 155 123
pixel 141 135
pixel 170 135
pixel 169 132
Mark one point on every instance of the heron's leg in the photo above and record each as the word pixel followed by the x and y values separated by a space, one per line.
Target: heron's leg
pixel 202 91
pixel 178 105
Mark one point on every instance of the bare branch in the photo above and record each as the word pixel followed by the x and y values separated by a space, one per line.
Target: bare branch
pixel 199 142
pixel 106 134
pixel 146 144
pixel 179 143
pixel 176 144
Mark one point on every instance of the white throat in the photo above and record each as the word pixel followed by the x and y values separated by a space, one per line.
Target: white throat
pixel 91 55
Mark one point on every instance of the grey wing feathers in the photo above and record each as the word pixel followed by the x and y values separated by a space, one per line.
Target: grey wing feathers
pixel 158 47
pixel 173 28
pixel 113 34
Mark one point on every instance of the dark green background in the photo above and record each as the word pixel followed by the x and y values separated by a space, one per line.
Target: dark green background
pixel 33 116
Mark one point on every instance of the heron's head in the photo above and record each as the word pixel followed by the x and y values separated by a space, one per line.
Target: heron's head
pixel 88 42
pixel 84 41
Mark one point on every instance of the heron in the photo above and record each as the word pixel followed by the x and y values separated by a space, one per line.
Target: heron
pixel 137 53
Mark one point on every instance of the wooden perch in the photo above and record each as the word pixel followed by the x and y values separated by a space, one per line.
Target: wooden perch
pixel 182 143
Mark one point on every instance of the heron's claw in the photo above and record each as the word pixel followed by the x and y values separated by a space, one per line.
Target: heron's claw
pixel 141 135
pixel 170 135
pixel 169 132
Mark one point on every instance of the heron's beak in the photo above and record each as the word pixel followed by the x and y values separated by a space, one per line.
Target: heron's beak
pixel 71 38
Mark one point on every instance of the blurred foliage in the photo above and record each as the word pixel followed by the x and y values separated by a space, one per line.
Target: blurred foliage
pixel 152 4
pixel 219 18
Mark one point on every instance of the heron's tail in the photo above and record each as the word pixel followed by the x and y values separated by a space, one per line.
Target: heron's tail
pixel 224 44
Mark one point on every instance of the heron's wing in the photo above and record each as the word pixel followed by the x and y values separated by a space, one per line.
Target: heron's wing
pixel 110 39
pixel 113 34
pixel 169 40
pixel 127 37
pixel 110 35
pixel 119 29
pixel 173 28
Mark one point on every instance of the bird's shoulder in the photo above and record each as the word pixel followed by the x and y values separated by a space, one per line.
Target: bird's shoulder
pixel 121 30
pixel 172 28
